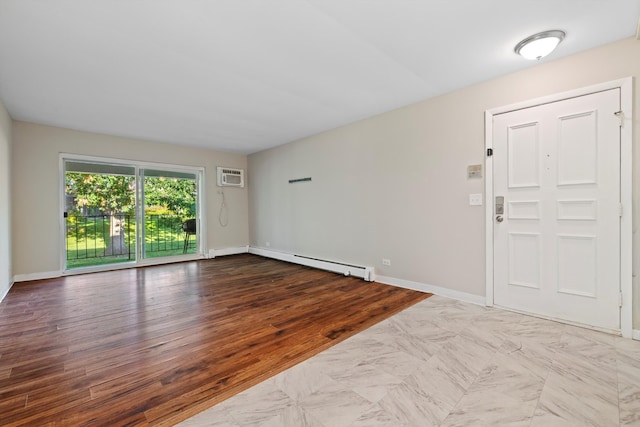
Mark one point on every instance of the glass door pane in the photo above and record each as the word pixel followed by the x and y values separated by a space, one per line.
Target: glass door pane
pixel 100 220
pixel 170 206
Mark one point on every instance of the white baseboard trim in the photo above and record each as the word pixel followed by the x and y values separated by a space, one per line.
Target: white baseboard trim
pixel 228 251
pixel 36 276
pixel 636 334
pixel 6 292
pixel 436 290
pixel 363 272
pixel 146 263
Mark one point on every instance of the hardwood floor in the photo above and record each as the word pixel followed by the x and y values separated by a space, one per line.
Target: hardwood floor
pixel 155 345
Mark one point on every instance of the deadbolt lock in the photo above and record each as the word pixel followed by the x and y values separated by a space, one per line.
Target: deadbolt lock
pixel 499 205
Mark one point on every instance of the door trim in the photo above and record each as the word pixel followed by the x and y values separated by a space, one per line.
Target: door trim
pixel 626 166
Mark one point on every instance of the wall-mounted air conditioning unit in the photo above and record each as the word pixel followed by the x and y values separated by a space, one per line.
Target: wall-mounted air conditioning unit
pixel 230 177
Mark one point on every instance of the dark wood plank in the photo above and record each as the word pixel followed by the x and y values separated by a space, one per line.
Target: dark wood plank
pixel 156 345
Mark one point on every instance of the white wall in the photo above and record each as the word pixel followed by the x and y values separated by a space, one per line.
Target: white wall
pixel 36 189
pixel 394 186
pixel 6 276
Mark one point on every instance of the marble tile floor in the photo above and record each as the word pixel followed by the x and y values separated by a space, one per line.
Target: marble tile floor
pixel 443 362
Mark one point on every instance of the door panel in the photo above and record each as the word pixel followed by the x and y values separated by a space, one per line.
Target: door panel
pixel 556 249
pixel 524 154
pixel 100 222
pixel 524 260
pixel 169 202
pixel 577 261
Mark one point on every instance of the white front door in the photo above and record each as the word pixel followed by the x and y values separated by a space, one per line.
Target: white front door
pixel 556 170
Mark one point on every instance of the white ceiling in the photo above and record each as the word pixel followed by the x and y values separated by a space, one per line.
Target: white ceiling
pixel 246 75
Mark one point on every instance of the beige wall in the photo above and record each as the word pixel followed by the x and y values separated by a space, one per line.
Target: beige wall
pixel 394 186
pixel 36 188
pixel 6 276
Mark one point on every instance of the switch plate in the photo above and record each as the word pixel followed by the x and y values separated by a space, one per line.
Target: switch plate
pixel 475 199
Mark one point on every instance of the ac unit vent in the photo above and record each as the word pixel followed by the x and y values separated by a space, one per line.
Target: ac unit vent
pixel 230 177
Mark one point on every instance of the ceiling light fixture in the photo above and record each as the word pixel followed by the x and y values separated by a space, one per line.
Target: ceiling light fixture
pixel 539 45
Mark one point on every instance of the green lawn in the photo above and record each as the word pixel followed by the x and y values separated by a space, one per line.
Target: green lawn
pixel 86 237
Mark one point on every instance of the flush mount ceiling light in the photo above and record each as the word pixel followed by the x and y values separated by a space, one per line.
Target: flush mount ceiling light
pixel 539 45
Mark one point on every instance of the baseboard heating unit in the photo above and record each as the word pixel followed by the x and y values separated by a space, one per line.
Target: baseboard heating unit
pixel 365 273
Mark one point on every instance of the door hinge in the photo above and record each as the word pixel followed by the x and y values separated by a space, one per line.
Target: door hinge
pixel 489 152
pixel 620 299
pixel 620 116
pixel 620 209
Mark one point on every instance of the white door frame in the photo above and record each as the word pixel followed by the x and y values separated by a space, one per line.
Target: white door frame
pixel 626 196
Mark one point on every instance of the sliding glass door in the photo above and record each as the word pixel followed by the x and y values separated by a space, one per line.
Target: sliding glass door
pixel 169 201
pixel 127 213
pixel 100 219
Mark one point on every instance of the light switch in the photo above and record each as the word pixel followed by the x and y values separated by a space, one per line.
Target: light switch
pixel 475 199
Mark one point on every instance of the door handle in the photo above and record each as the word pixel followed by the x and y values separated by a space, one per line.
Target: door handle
pixel 499 218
